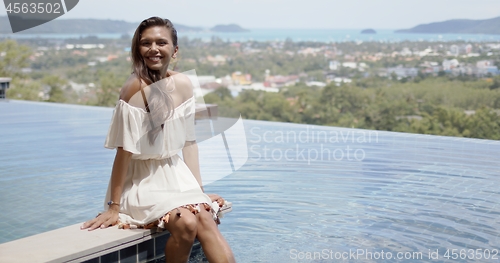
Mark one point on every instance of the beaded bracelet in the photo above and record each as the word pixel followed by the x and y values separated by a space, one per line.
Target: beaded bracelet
pixel 110 203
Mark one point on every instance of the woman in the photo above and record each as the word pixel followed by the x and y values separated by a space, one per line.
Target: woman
pixel 150 185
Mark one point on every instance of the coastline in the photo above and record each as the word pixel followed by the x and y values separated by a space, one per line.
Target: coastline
pixel 296 35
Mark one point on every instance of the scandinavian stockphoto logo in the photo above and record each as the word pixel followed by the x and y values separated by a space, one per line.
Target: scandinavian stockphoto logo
pixel 222 142
pixel 27 14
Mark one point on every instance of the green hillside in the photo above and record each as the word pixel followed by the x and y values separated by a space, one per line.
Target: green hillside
pixel 83 26
pixel 458 26
pixel 228 28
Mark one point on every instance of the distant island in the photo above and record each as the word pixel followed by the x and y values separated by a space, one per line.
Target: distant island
pixel 231 28
pixel 458 26
pixel 368 31
pixel 84 26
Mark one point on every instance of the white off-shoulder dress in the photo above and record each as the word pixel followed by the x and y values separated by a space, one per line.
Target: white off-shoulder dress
pixel 158 181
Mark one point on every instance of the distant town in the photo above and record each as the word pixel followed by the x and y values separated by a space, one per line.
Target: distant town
pixel 220 63
pixel 361 79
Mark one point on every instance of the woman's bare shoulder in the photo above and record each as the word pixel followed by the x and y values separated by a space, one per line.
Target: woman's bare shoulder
pixel 183 84
pixel 131 87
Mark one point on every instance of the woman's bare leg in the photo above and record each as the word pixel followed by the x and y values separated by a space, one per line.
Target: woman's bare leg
pixel 183 231
pixel 214 245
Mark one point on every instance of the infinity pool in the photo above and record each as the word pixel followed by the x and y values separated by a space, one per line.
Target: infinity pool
pixel 306 193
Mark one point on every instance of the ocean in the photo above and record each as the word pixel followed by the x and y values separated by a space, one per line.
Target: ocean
pixel 297 35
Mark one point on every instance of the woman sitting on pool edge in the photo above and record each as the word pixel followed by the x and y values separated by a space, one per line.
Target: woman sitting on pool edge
pixel 150 185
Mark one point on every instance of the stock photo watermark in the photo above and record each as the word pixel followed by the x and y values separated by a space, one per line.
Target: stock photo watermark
pixel 366 254
pixel 26 14
pixel 310 145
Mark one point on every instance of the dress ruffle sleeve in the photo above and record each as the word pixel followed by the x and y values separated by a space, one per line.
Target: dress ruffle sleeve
pixel 125 129
pixel 189 116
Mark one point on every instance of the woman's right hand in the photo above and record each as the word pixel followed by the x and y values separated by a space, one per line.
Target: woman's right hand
pixel 216 198
pixel 103 220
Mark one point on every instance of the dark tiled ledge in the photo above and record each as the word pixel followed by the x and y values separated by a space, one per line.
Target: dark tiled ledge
pixel 70 244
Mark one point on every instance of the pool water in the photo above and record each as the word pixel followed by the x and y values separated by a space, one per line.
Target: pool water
pixel 305 194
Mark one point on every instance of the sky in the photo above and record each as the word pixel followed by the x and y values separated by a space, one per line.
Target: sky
pixel 291 14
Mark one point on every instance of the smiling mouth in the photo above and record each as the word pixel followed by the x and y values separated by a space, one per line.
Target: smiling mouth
pixel 155 59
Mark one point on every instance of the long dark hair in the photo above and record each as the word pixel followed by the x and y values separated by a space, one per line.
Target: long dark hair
pixel 160 103
pixel 138 65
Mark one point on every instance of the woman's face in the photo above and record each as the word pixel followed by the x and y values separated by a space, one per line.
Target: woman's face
pixel 156 47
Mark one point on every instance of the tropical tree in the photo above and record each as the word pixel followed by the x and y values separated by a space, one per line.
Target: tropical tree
pixel 13 57
pixel 108 89
pixel 56 88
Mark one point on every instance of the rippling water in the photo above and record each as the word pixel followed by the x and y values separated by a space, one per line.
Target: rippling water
pixel 410 193
pixel 304 191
